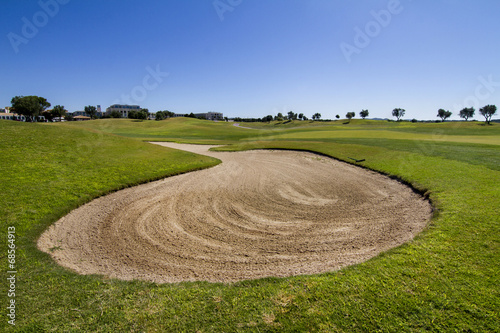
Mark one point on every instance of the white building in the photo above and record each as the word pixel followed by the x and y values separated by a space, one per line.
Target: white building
pixel 122 109
pixel 207 115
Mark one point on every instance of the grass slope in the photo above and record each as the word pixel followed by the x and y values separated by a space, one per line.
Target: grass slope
pixel 444 280
pixel 185 130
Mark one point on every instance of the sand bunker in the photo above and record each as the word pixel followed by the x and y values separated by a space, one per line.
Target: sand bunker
pixel 258 214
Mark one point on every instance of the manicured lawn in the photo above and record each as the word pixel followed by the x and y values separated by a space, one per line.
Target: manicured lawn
pixel 447 279
pixel 175 129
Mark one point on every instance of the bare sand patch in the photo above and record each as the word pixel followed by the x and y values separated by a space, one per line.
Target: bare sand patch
pixel 257 214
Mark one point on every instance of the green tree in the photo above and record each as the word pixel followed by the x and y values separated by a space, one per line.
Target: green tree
pixel 115 114
pixel 398 113
pixel 58 111
pixel 301 116
pixel 467 113
pixel 29 106
pixel 443 114
pixel 487 112
pixel 132 114
pixel 161 115
pixel 350 115
pixel 364 114
pixel 48 115
pixel 91 111
pixel 337 116
pixel 143 114
pixel 292 115
pixel 268 118
pixel 316 116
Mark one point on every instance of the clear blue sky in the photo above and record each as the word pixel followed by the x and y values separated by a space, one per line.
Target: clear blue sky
pixel 251 58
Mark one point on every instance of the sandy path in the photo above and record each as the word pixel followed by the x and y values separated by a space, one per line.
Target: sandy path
pixel 239 126
pixel 258 214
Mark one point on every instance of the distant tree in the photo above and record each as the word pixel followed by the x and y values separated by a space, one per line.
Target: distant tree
pixel 132 114
pixel 58 111
pixel 350 115
pixel 364 114
pixel 191 115
pixel 467 113
pixel 91 111
pixel 47 114
pixel 487 112
pixel 316 116
pixel 337 116
pixel 68 117
pixel 115 114
pixel 160 115
pixel 29 106
pixel 143 114
pixel 398 113
pixel 279 117
pixel 305 118
pixel 301 116
pixel 443 114
pixel 226 119
pixel 268 118
pixel 292 115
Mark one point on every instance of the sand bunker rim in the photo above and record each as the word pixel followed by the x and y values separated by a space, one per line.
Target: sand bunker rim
pixel 257 214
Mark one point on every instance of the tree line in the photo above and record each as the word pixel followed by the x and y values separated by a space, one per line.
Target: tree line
pixel 487 111
pixel 32 107
pixel 35 107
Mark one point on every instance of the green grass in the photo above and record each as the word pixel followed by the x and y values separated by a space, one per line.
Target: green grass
pixel 446 279
pixel 334 132
pixel 189 130
pixel 185 130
